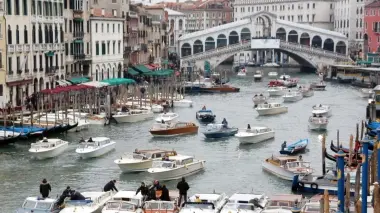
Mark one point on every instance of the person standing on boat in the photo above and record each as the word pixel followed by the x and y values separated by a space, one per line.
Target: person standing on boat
pixel 249 127
pixel 204 108
pixel 165 194
pixel 183 187
pixel 90 140
pixel 144 191
pixel 225 123
pixel 283 146
pixel 45 188
pixel 110 186
pixel 300 158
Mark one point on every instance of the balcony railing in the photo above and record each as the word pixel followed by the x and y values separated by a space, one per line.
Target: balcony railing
pixel 12 77
pixel 49 47
pixel 11 48
pixel 19 47
pixel 27 47
pixel 49 71
pixel 78 34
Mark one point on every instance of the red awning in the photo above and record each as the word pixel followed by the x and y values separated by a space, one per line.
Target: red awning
pixel 155 66
pixel 149 67
pixel 65 89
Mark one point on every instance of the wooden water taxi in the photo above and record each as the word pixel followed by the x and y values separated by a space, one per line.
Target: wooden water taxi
pixel 173 129
pixel 220 89
pixel 285 167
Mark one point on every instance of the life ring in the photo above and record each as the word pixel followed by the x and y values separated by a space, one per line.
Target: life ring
pixel 301 185
pixel 314 186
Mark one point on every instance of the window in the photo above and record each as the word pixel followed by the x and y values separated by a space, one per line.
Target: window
pixel 313 5
pixel 96 28
pixel 61 59
pixel 97 48
pixel 88 26
pixel 118 47
pixel 1 60
pixel 108 47
pixel 10 71
pixel 66 49
pixel 25 7
pixel 26 64
pixel 25 35
pixel 103 48
pixel 34 63
pixel 88 48
pixel 102 28
pixel 1 90
pixel 9 7
pixel 56 61
pixel 39 7
pixel 118 28
pixel 33 7
pixel 71 48
pixel 17 7
pixel 113 28
pixel 108 28
pixel 18 63
pixel 70 26
pixel 40 62
pixel 9 34
pixel 113 47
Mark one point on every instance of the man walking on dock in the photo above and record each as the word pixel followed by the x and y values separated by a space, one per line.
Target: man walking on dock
pixel 183 187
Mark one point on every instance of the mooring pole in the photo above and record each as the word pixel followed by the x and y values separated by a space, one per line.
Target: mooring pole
pixel 340 177
pixel 365 176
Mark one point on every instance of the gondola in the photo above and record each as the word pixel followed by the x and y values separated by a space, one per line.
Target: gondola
pixel 336 149
pixel 5 140
pixel 333 158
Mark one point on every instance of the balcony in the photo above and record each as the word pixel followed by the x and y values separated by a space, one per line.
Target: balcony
pixel 36 47
pixel 62 46
pixel 50 71
pixel 81 57
pixel 56 46
pixel 78 35
pixel 133 14
pixel 19 47
pixel 43 47
pixel 47 19
pixel 134 29
pixel 49 47
pixel 18 77
pixel 27 47
pixel 11 48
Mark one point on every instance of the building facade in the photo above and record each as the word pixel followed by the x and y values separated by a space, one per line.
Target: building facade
pixel 176 28
pixel 3 55
pixel 157 36
pixel 371 34
pixel 35 48
pixel 106 31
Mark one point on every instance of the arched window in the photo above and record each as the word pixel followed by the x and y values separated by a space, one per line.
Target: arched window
pixel 46 32
pixel 25 35
pixel 62 35
pixel 9 34
pixel 17 35
pixel 34 34
pixel 56 35
pixel 40 34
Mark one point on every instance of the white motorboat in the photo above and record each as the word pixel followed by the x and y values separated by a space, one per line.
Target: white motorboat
pixel 210 203
pixel 141 160
pixel 95 147
pixel 48 148
pixel 183 103
pixel 176 167
pixel 366 93
pixel 318 123
pixel 276 91
pixel 133 115
pixel 157 108
pixel 272 75
pixel 271 65
pixel 242 72
pixel 321 110
pixel 97 119
pixel 36 204
pixel 259 99
pixel 244 203
pixel 318 86
pixel 94 203
pixel 284 77
pixel 124 202
pixel 306 91
pixel 284 203
pixel 271 108
pixel 255 135
pixel 285 167
pixel 167 117
pixel 292 96
pixel 258 75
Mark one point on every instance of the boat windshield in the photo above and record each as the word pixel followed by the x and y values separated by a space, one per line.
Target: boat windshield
pixel 138 156
pixel 199 205
pixel 29 204
pixel 214 126
pixel 297 164
pixel 162 164
pixel 127 206
pixel 159 205
pixel 113 205
pixel 247 206
pixel 43 205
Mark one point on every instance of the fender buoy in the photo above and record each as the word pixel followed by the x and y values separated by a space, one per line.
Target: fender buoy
pixel 314 186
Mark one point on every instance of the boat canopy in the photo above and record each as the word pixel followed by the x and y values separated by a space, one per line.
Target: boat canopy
pixel 96 84
pixel 79 80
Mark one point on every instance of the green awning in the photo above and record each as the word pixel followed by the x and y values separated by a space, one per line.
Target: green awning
pixel 165 62
pixel 79 80
pixel 132 71
pixel 119 81
pixel 142 69
pixel 50 53
pixel 363 62
pixel 78 19
pixel 162 73
pixel 78 41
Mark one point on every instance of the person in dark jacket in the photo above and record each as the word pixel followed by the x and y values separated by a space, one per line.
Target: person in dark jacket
pixel 110 186
pixel 45 188
pixel 143 189
pixel 183 187
pixel 67 191
pixel 76 196
pixel 165 194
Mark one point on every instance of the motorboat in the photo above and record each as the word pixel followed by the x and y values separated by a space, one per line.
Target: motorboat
pixel 95 147
pixel 124 202
pixel 277 91
pixel 210 203
pixel 93 203
pixel 183 103
pixel 318 123
pixel 141 160
pixel 205 116
pixel 37 204
pixel 284 77
pixel 48 148
pixel 242 72
pixel 272 75
pixel 167 117
pixel 95 119
pixel 294 148
pixel 292 82
pixel 245 203
pixel 285 167
pixel 284 203
pixel 322 110
pixel 259 99
pixel 254 135
pixel 258 76
pixel 314 204
pixel 306 91
pixel 318 86
pixel 160 206
pixel 271 108
pixel 292 96
pixel 176 167
pixel 173 129
pixel 224 88
pixel 366 93
pixel 157 108
pixel 133 115
pixel 271 65
pixel 219 131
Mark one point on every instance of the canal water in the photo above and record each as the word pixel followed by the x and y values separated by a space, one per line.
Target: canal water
pixel 230 167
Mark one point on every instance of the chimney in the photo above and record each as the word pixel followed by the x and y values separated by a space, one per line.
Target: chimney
pixel 102 11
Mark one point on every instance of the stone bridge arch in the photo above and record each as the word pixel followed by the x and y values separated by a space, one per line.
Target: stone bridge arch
pixel 266 21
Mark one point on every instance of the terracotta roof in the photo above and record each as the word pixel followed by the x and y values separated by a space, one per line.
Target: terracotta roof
pixel 374 4
pixel 195 5
pixel 157 6
pixel 97 12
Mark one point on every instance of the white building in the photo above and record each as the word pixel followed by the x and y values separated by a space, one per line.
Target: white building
pixel 349 20
pixel 177 28
pixel 35 48
pixel 315 13
pixel 106 45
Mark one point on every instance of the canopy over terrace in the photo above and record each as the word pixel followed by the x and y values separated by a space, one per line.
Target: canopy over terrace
pixel 119 81
pixel 65 89
pixel 79 80
pixel 96 84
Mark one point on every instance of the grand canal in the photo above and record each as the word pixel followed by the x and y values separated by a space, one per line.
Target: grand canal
pixel 230 167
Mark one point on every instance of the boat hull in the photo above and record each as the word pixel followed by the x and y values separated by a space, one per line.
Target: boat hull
pixel 308 93
pixel 242 74
pixel 220 89
pixel 276 92
pixel 277 171
pixel 133 117
pixel 100 121
pixel 131 167
pixel 317 126
pixel 179 172
pixel 51 153
pixel 255 138
pixel 220 134
pixel 174 132
pixel 257 77
pixel 95 152
pixel 292 98
pixel 272 75
pixel 82 125
pixel 272 111
pixel 157 108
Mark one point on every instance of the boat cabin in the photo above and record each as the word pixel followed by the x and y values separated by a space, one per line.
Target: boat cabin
pixel 292 163
pixel 245 201
pixel 125 201
pixel 213 127
pixel 92 199
pixel 47 143
pixel 205 112
pixel 158 206
pixel 39 204
pixel 96 142
pixel 259 130
pixel 286 201
pixel 208 201
pixel 152 154
pixel 267 106
pixel 173 162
